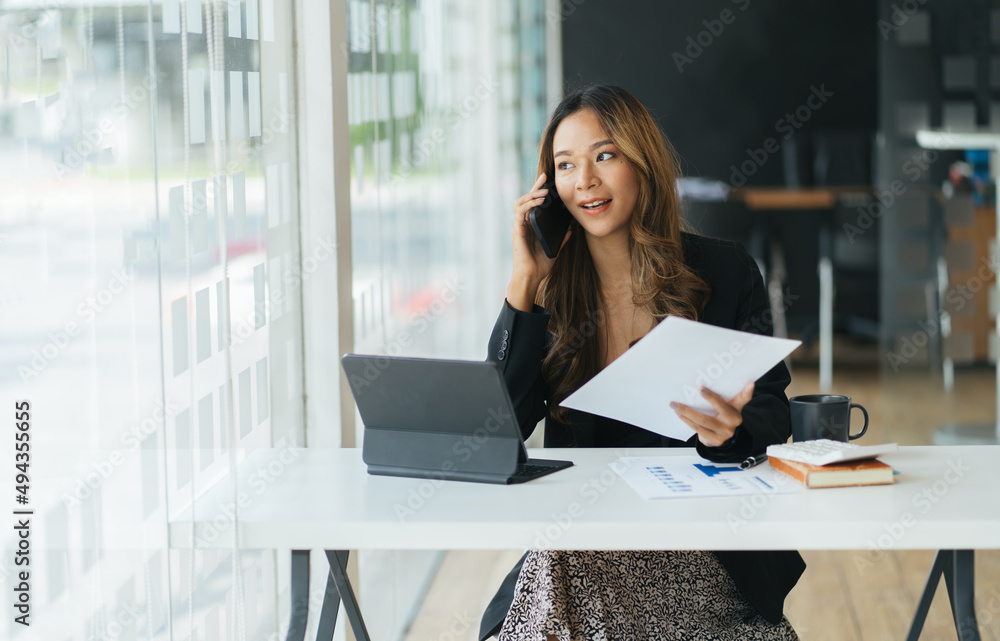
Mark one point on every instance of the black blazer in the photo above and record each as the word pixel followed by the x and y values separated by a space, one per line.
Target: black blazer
pixel 738 300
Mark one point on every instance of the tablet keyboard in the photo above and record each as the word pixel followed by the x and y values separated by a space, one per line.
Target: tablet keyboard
pixel 535 467
pixel 527 469
pixel 825 451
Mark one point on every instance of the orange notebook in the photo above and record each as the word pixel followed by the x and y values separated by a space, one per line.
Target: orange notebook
pixel 870 472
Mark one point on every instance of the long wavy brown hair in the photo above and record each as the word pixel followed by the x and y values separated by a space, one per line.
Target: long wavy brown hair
pixel 662 283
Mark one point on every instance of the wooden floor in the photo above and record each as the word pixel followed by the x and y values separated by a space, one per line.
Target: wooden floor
pixel 840 597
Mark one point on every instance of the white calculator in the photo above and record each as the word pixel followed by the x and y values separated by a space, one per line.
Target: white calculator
pixel 824 451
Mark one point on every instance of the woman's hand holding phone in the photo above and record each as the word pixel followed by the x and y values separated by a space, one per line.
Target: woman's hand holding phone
pixel 531 265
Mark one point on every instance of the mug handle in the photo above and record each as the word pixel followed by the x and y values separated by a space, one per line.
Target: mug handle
pixel 863 429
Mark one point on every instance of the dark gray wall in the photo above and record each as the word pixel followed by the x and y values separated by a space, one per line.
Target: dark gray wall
pixel 732 95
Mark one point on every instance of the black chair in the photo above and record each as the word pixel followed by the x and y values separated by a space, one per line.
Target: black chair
pixel 733 220
pixel 845 158
pixel 729 220
pixel 832 158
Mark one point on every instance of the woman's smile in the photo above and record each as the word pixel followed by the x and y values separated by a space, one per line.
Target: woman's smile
pixel 594 206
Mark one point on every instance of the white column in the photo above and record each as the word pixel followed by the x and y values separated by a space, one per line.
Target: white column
pixel 325 207
pixel 825 324
pixel 325 227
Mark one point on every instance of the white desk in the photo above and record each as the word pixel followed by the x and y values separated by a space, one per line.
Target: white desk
pixel 944 498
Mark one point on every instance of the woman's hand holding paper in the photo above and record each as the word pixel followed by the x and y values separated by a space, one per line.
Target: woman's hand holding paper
pixel 718 430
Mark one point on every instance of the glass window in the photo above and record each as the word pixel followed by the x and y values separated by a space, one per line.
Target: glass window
pixel 148 246
pixel 447 105
pixel 150 303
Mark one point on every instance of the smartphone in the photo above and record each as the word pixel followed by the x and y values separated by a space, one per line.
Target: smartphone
pixel 550 220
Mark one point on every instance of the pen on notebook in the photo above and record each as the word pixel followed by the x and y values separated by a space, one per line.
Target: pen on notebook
pixel 752 461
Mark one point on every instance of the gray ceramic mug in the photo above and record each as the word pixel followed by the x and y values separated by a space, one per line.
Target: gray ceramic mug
pixel 817 416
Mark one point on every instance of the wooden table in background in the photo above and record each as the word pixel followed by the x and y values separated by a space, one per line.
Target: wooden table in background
pixel 821 200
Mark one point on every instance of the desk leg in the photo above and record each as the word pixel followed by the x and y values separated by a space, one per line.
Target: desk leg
pixel 331 608
pixel 961 582
pixel 958 569
pixel 338 590
pixel 300 596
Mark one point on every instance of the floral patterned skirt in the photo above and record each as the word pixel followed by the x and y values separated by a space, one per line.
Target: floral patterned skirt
pixel 635 595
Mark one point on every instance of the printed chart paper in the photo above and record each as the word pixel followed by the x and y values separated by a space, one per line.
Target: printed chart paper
pixel 669 364
pixel 661 477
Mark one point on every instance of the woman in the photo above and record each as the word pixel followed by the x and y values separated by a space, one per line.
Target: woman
pixel 624 265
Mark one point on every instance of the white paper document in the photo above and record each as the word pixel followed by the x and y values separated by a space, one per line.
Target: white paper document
pixel 661 477
pixel 669 364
